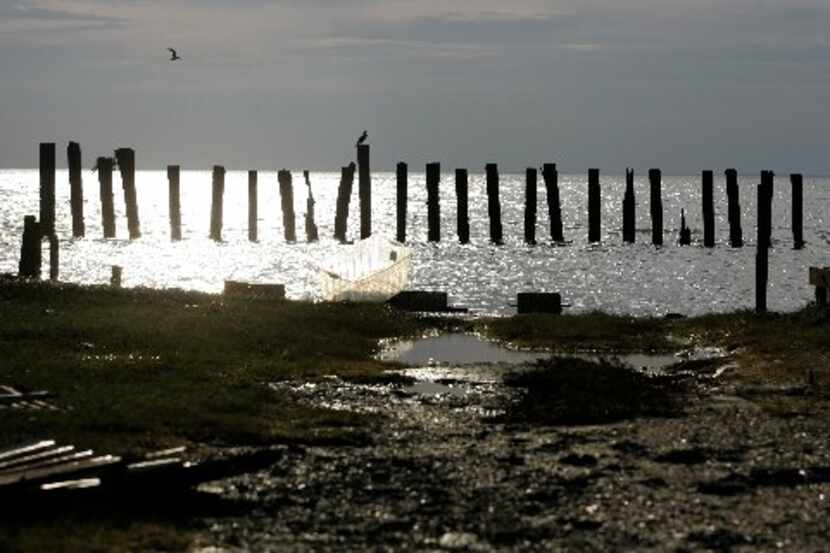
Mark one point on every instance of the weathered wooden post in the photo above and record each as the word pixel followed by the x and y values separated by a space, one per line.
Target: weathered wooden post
pixel 287 201
pixel 462 211
pixel 54 258
pixel 707 195
pixel 797 181
pixel 530 205
pixel 252 206
pixel 217 201
pixel 493 203
pixel 116 272
pixel 551 177
pixel 174 202
pixel 820 278
pixel 311 234
pixel 104 168
pixel 76 189
pixel 402 174
pixel 685 232
pixel 30 249
pixel 433 206
pixel 594 207
pixel 344 197
pixel 125 157
pixel 763 240
pixel 629 207
pixel 47 188
pixel 655 178
pixel 736 236
pixel 365 191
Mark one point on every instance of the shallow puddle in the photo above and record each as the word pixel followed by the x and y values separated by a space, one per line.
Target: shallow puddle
pixel 455 349
pixel 471 359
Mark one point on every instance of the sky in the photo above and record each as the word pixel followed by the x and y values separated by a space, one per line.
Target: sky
pixel 682 85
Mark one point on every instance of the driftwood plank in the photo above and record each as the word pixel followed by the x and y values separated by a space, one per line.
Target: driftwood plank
pixel 25 449
pixel 63 459
pixel 74 470
pixel 36 457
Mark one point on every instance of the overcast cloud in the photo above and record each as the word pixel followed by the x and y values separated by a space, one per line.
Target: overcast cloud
pixel 678 84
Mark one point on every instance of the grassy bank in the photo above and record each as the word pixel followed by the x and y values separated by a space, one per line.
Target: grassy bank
pixel 143 369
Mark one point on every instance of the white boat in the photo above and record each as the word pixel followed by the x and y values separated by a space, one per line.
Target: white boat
pixel 371 270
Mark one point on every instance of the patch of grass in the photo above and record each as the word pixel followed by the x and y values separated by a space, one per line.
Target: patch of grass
pixel 71 533
pixel 590 331
pixel 145 369
pixel 573 391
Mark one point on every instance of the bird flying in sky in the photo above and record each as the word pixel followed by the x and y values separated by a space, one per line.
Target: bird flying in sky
pixel 362 138
pixel 173 55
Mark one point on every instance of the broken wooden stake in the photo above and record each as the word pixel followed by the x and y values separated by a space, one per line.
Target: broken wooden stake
pixel 47 188
pixel 402 175
pixel 287 201
pixel 104 167
pixel 433 177
pixel 594 207
pixel 125 158
pixel 30 249
pixel 76 189
pixel 174 202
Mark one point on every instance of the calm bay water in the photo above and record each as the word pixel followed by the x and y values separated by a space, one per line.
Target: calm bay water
pixel 636 279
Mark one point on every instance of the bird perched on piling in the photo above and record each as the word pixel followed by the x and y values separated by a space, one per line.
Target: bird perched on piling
pixel 173 55
pixel 362 138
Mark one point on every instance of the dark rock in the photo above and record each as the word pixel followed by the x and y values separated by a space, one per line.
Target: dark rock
pixel 577 460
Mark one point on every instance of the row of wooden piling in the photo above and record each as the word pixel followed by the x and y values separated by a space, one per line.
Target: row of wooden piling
pixel 125 160
pixel 550 176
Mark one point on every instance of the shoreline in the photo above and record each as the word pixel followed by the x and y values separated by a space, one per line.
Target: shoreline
pixel 145 369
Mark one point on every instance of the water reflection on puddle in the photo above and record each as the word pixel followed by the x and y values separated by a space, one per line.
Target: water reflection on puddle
pixel 471 349
pixel 448 364
pixel 455 349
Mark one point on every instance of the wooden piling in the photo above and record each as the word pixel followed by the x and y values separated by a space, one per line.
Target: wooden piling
pixel 54 258
pixel 707 195
pixel 530 205
pixel 763 240
pixel 629 208
pixel 433 175
pixel 125 157
pixel 30 249
pixel 104 169
pixel 685 232
pixel 551 177
pixel 402 174
pixel 655 179
pixel 174 202
pixel 311 233
pixel 365 191
pixel 47 188
pixel 116 272
pixel 344 197
pixel 76 189
pixel 493 203
pixel 594 207
pixel 217 201
pixel 736 238
pixel 287 201
pixel 797 181
pixel 462 209
pixel 253 231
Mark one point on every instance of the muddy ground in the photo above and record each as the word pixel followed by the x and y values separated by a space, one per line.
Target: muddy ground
pixel 443 472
